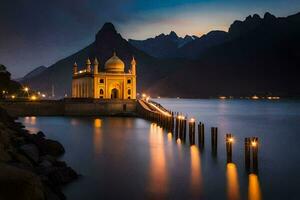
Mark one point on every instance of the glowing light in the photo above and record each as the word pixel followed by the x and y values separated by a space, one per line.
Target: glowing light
pixel 254 143
pixel 160 110
pixel 144 95
pixel 232 182
pixel 33 98
pixel 3 91
pixel 231 139
pixel 97 123
pixel 147 99
pixel 222 97
pixel 254 192
pixel 158 97
pixel 178 141
pixel 254 97
pixel 43 95
pixel 192 120
pixel 13 96
pixel 26 89
pixel 273 98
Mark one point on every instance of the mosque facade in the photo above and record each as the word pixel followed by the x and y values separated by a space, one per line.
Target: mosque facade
pixel 112 82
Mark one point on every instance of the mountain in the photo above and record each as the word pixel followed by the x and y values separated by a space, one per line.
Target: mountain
pixel 33 73
pixel 195 48
pixel 162 46
pixel 261 56
pixel 107 40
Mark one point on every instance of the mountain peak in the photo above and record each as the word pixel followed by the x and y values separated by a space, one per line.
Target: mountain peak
pixel 173 34
pixel 107 27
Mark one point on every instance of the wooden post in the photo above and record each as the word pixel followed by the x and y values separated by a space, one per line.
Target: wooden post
pixel 254 147
pixel 192 131
pixel 201 135
pixel 184 129
pixel 176 126
pixel 214 140
pixel 247 153
pixel 229 141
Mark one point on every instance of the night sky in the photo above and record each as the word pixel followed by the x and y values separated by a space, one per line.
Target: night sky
pixel 40 32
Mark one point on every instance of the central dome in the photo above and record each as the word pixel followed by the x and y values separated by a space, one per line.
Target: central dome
pixel 114 64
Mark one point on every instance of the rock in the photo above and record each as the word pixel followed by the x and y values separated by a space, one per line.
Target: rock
pixel 40 134
pixel 20 184
pixel 52 148
pixel 30 151
pixel 62 175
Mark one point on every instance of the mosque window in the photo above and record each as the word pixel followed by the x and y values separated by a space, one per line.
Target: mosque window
pixel 101 91
pixel 128 81
pixel 101 80
pixel 129 91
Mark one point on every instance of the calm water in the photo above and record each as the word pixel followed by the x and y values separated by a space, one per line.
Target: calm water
pixel 132 158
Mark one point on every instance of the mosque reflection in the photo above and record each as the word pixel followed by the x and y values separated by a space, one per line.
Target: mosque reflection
pixel 158 179
pixel 233 192
pixel 254 192
pixel 97 135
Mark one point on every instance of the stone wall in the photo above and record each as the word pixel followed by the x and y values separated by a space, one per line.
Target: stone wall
pixel 69 107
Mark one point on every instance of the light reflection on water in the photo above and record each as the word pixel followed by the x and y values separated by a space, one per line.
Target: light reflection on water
pixel 196 176
pixel 254 192
pixel 233 187
pixel 97 135
pixel 158 180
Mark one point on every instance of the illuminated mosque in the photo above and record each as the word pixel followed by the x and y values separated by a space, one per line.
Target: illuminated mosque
pixel 110 83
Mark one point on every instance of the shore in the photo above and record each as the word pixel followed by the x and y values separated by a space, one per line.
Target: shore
pixel 29 165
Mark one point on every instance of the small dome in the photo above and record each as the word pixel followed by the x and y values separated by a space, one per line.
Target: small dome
pixel 114 64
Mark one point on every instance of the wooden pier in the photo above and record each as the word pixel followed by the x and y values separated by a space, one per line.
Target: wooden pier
pixel 176 124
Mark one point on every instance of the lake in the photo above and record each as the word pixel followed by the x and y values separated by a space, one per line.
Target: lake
pixel 135 159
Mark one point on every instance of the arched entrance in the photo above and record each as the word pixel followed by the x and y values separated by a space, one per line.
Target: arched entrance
pixel 114 93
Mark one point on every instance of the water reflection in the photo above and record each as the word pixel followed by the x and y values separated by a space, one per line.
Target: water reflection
pixel 30 123
pixel 97 136
pixel 170 137
pixel 254 192
pixel 158 184
pixel 233 192
pixel 196 176
pixel 30 120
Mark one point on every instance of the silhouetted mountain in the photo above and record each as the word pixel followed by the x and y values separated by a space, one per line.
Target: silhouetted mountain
pixel 33 73
pixel 261 56
pixel 107 40
pixel 195 48
pixel 162 46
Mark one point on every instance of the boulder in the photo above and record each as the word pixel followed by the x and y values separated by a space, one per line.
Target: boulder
pixel 31 151
pixel 62 175
pixel 20 184
pixel 52 147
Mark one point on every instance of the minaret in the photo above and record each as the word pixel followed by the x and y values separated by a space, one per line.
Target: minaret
pixel 133 66
pixel 96 66
pixel 75 68
pixel 88 65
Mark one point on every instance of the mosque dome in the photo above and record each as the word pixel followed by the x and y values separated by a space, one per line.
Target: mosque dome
pixel 114 64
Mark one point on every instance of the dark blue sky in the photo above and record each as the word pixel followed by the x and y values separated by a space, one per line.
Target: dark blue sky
pixel 40 32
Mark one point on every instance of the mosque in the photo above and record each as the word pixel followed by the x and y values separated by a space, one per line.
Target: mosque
pixel 110 83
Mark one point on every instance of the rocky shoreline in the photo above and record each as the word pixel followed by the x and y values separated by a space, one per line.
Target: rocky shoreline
pixel 29 165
